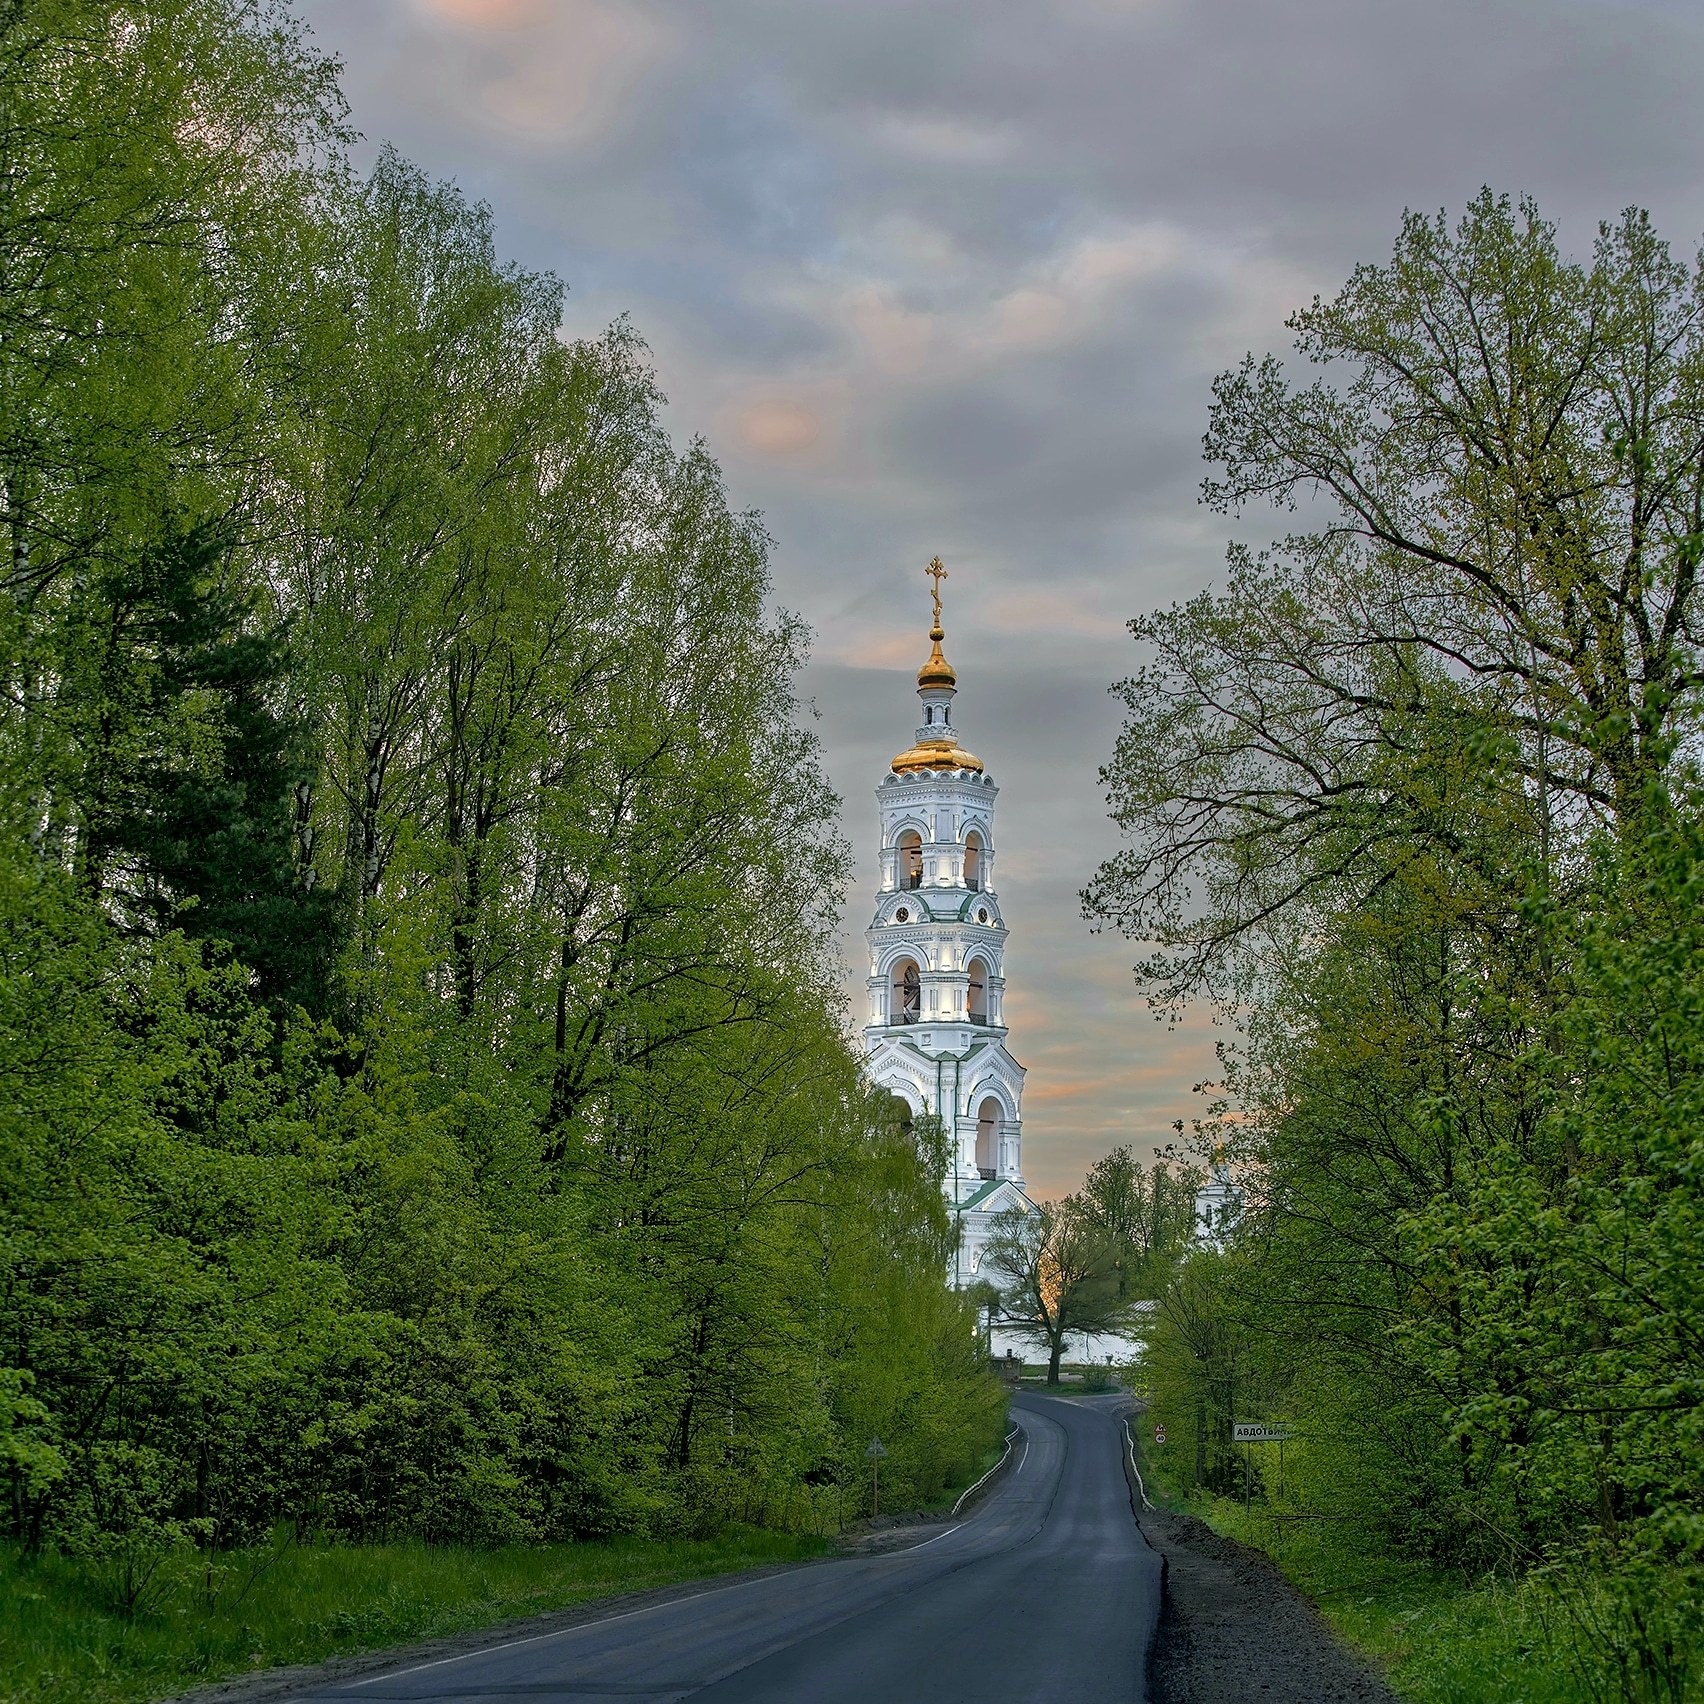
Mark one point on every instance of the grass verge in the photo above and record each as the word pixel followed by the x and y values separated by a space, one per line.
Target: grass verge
pixel 1439 1637
pixel 962 1481
pixel 60 1638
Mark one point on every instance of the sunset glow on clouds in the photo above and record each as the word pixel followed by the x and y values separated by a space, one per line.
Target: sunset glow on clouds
pixel 777 425
pixel 489 14
pixel 937 280
pixel 551 72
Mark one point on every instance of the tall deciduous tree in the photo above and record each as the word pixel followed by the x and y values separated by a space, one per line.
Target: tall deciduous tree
pixel 1507 496
pixel 1415 792
pixel 1147 1213
pixel 1057 1272
pixel 356 620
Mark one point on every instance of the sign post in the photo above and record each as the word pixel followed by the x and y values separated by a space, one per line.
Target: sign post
pixel 1246 1432
pixel 875 1452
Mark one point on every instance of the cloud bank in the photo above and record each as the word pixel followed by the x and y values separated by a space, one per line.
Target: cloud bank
pixel 955 278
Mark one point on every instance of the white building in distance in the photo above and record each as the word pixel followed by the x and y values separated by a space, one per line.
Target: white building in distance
pixel 936 1036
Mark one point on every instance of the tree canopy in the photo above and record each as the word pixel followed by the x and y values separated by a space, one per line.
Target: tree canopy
pixel 1415 796
pixel 425 1106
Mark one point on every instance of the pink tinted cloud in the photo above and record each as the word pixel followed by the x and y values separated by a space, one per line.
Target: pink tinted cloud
pixel 547 71
pixel 486 14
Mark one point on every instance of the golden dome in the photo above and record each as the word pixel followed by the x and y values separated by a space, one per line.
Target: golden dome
pixel 935 754
pixel 937 671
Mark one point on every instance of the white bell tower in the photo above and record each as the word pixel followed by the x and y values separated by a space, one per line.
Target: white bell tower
pixel 936 1035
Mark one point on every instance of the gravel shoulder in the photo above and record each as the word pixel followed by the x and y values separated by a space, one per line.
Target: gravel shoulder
pixel 1233 1629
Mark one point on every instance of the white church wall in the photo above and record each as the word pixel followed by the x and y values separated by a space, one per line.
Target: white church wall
pixel 1082 1348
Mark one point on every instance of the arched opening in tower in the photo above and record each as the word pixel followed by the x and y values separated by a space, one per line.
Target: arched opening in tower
pixel 978 996
pixel 905 993
pixel 973 861
pixel 911 859
pixel 987 1137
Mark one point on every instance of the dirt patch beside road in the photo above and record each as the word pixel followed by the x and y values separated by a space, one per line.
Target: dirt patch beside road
pixel 1233 1630
pixel 892 1532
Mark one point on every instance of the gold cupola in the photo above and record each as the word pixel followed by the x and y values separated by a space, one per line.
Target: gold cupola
pixel 937 746
pixel 937 671
pixel 935 754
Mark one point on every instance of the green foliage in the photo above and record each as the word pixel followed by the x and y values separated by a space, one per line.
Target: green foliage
pixel 186 771
pixel 1057 1271
pixel 1431 767
pixel 1200 1373
pixel 283 1602
pixel 1147 1213
pixel 424 1104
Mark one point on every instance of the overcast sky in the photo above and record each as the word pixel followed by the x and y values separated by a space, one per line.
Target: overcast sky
pixel 954 276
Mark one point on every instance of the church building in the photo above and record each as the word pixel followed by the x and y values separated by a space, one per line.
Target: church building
pixel 936 1035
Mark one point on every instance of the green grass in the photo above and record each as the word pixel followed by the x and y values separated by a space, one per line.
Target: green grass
pixel 1439 1637
pixel 962 1481
pixel 60 1638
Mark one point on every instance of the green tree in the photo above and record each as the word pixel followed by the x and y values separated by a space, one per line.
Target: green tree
pixel 1201 1372
pixel 1410 796
pixel 189 768
pixel 427 1108
pixel 1057 1273
pixel 1147 1213
pixel 1505 491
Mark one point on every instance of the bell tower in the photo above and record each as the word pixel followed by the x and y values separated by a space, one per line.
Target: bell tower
pixel 936 1034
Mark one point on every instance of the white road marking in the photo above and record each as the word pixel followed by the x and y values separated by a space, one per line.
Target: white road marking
pixel 555 1633
pixel 610 1620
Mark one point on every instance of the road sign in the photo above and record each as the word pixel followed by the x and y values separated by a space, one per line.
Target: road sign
pixel 1159 1434
pixel 874 1456
pixel 1244 1434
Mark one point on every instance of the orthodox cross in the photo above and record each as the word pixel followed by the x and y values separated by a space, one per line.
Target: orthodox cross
pixel 936 573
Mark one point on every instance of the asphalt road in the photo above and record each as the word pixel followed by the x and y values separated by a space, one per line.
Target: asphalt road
pixel 1047 1592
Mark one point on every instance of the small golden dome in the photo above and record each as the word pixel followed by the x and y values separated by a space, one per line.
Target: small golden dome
pixel 935 754
pixel 937 671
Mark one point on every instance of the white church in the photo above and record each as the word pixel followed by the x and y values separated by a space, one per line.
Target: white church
pixel 936 1036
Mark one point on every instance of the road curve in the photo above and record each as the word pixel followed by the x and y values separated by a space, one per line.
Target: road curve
pixel 1047 1592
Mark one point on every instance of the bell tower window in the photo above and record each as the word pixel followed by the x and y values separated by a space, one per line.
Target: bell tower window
pixel 973 861
pixel 987 1136
pixel 978 995
pixel 905 993
pixel 910 870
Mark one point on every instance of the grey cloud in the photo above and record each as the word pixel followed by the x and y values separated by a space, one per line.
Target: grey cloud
pixel 768 159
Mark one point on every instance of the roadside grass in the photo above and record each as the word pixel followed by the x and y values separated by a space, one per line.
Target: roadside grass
pixel 1439 1637
pixel 62 1639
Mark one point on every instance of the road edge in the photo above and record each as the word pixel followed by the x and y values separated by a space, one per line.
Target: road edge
pixel 1172 1657
pixel 262 1685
